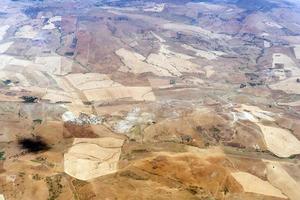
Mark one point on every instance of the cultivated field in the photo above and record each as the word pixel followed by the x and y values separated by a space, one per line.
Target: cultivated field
pixel 149 100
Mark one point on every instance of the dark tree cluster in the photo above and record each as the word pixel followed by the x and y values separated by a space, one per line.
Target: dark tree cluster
pixel 29 99
pixel 33 145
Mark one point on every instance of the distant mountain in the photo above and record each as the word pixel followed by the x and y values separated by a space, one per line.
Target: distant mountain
pixel 250 5
pixel 253 5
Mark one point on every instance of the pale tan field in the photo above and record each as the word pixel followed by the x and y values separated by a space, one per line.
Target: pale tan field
pixel 5 46
pixel 155 7
pixel 280 73
pixel 206 6
pixel 164 63
pixel 294 103
pixel 115 93
pixel 141 100
pixel 288 63
pixel 297 51
pixel 193 29
pixel 3 30
pixel 210 55
pixel 8 98
pixel 289 86
pixel 50 25
pixel 57 65
pixel 54 96
pixel 175 63
pixel 293 39
pixel 206 153
pixel 209 71
pixel 279 58
pixel 160 39
pixel 14 76
pixel 91 81
pixel 267 44
pixel 55 19
pixel 254 113
pixel 91 158
pixel 159 83
pixel 63 83
pixel 253 184
pixel 6 60
pixel 135 63
pixel 279 141
pixel 27 32
pixel 78 107
pixel 52 64
pixel 272 24
pixel 7 134
pixel 278 177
